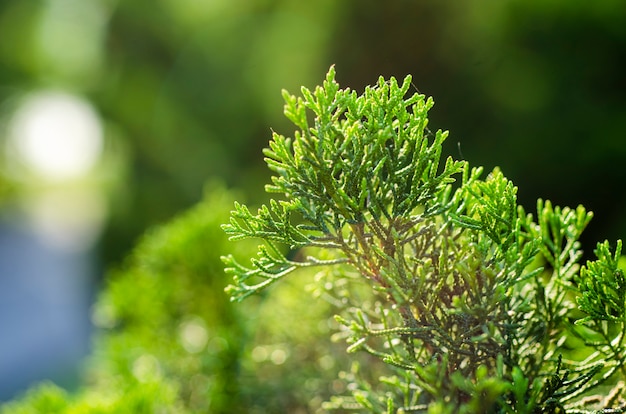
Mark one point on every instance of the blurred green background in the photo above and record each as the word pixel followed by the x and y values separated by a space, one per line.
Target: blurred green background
pixel 189 89
pixel 181 92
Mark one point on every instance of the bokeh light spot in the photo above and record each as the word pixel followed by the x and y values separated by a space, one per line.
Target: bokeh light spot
pixel 57 136
pixel 194 335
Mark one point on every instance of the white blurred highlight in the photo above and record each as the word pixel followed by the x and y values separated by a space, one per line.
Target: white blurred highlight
pixel 55 141
pixel 56 135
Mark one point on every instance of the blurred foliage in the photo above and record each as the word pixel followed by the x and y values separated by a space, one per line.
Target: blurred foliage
pixel 187 89
pixel 153 397
pixel 192 89
pixel 170 340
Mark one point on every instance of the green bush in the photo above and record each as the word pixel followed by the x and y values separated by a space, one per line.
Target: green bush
pixel 170 341
pixel 472 304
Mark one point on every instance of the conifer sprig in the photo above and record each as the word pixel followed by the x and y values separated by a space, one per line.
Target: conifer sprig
pixel 436 272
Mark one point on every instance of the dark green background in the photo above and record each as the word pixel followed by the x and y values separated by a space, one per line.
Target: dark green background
pixel 190 89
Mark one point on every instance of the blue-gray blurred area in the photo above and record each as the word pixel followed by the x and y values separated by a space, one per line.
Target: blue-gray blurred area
pixel 44 300
pixel 176 92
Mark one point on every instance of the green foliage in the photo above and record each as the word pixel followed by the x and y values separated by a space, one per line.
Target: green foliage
pixel 47 398
pixel 167 318
pixel 450 296
pixel 163 317
pixel 146 398
pixel 170 341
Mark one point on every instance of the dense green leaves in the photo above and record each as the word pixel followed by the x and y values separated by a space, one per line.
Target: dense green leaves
pixel 362 154
pixel 434 271
pixel 603 287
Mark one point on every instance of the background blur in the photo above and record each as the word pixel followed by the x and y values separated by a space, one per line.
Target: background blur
pixel 114 114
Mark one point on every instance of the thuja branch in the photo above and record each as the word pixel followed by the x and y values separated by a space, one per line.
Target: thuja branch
pixel 354 177
pixel 469 301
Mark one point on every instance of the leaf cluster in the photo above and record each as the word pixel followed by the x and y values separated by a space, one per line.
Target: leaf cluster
pixel 470 302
